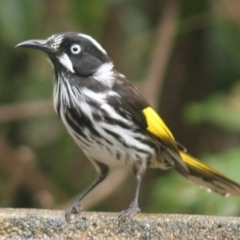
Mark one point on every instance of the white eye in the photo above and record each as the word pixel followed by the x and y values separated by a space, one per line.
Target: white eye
pixel 75 49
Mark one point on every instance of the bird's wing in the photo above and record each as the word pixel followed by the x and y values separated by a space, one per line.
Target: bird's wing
pixel 200 173
pixel 147 119
pixel 157 127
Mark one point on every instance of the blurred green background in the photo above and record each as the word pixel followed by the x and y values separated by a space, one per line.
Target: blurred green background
pixel 185 58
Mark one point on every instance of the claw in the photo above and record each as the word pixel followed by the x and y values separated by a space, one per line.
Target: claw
pixel 128 214
pixel 73 208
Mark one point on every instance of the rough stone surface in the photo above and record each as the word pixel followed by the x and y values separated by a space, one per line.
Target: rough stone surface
pixel 45 224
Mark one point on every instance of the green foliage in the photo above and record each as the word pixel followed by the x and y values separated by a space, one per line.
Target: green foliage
pixel 18 18
pixel 90 15
pixel 220 109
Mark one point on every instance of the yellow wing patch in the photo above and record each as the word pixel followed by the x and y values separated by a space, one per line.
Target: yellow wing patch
pixel 158 128
pixel 156 125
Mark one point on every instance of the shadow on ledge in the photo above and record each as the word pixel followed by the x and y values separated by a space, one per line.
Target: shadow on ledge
pixel 47 224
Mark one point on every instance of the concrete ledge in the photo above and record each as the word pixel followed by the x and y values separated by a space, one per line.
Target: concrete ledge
pixel 46 224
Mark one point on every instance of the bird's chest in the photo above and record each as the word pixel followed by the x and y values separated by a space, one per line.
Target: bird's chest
pixel 94 134
pixel 102 139
pixel 99 140
pixel 104 133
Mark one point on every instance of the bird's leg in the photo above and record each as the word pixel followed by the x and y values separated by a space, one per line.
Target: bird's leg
pixel 133 207
pixel 75 207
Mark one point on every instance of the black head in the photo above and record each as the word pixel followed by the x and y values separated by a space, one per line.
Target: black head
pixel 73 52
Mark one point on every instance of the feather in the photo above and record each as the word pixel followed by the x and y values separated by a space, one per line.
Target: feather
pixel 158 128
pixel 208 177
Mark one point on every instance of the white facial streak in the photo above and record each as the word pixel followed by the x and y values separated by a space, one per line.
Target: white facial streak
pixel 94 42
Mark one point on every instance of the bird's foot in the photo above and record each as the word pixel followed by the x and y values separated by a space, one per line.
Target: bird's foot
pixel 129 213
pixel 75 207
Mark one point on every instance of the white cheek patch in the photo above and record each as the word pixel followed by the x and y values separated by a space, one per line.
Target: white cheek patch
pixel 66 62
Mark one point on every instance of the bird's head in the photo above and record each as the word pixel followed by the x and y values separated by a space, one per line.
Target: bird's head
pixel 74 52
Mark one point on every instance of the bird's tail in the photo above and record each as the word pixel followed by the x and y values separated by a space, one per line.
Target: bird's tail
pixel 209 178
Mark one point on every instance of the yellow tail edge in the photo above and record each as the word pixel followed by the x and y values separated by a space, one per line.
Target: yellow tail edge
pixel 208 177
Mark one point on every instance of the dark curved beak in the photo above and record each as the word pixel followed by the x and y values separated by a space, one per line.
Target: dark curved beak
pixel 37 44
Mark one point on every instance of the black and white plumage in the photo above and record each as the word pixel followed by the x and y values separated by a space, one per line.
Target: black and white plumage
pixel 110 120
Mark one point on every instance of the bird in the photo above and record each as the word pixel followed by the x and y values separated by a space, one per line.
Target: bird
pixel 112 122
